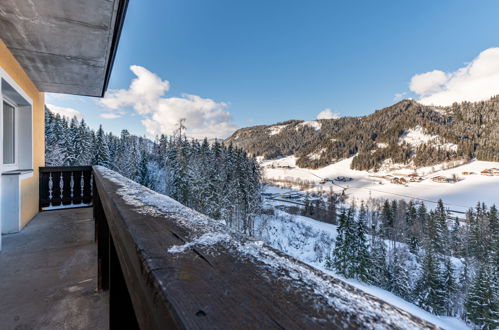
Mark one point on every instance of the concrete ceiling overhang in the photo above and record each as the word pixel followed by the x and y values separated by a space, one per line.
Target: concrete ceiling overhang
pixel 65 46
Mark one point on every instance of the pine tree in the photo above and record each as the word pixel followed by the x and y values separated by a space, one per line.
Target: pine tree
pixel 482 302
pixel 401 285
pixel 450 288
pixel 101 153
pixel 379 269
pixel 412 239
pixel 441 229
pixel 361 250
pixel 456 242
pixel 493 230
pixel 476 243
pixel 387 219
pixel 84 155
pixel 144 176
pixel 422 219
pixel 429 290
pixel 339 257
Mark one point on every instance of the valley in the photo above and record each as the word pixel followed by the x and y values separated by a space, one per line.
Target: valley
pixel 457 196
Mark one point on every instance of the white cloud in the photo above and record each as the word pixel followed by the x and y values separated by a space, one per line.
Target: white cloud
pixel 203 117
pixel 476 81
pixel 428 83
pixel 65 112
pixel 328 114
pixel 143 93
pixel 110 115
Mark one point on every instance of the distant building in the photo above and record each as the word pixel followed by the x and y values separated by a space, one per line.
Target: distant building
pixel 442 179
pixel 399 181
pixel 490 172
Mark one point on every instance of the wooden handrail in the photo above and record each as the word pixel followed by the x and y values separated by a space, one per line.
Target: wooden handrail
pixel 169 267
pixel 48 169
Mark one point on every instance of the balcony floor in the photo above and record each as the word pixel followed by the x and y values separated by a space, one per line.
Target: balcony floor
pixel 48 274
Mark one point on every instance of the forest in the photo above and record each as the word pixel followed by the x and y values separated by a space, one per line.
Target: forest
pixel 457 272
pixel 221 182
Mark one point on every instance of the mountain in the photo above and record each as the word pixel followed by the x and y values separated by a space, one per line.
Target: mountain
pixel 407 133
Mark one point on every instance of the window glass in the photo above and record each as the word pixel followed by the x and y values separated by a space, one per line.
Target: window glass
pixel 8 134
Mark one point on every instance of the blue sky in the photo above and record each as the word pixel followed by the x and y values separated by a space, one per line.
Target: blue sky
pixel 262 62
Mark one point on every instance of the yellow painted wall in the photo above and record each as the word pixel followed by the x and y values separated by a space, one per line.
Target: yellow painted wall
pixel 29 186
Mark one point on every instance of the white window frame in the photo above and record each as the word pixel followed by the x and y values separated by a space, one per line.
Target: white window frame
pixel 4 76
pixel 15 165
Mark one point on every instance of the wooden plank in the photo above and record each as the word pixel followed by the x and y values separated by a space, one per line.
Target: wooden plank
pixel 212 287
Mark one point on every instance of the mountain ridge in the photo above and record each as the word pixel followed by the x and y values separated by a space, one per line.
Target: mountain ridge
pixel 406 132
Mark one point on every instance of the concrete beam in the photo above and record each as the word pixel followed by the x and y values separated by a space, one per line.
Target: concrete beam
pixel 65 46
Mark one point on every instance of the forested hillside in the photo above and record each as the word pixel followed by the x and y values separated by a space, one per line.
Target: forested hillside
pixel 404 133
pixel 221 182
pixel 445 265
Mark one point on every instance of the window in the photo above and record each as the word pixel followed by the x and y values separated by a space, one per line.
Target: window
pixel 9 134
pixel 16 127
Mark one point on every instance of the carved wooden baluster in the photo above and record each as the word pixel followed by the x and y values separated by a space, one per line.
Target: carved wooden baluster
pixel 72 185
pixel 61 186
pixel 91 184
pixel 51 185
pixel 82 185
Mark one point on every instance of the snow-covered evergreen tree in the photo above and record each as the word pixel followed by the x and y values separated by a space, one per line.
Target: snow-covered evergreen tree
pixel 400 283
pixel 450 288
pixel 101 156
pixel 379 268
pixel 429 290
pixel 482 303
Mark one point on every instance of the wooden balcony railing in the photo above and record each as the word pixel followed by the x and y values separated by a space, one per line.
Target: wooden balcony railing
pixel 65 187
pixel 169 267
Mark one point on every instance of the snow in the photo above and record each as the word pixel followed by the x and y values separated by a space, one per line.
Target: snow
pixel 416 136
pixel 274 130
pixel 208 232
pixel 459 196
pixel 204 240
pixel 313 123
pixel 310 241
pixel 317 154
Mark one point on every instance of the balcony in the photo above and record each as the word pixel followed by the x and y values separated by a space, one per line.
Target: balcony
pixel 156 264
pixel 49 274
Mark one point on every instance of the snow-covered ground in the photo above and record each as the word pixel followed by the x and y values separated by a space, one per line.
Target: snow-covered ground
pixel 274 130
pixel 314 124
pixel 311 241
pixel 417 136
pixel 458 196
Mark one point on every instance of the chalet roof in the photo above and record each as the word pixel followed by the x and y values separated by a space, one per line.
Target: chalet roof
pixel 64 46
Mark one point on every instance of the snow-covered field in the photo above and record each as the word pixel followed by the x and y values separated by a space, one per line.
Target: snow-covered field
pixel 311 241
pixel 458 196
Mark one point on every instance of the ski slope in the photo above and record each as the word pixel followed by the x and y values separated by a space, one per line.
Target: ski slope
pixel 458 196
